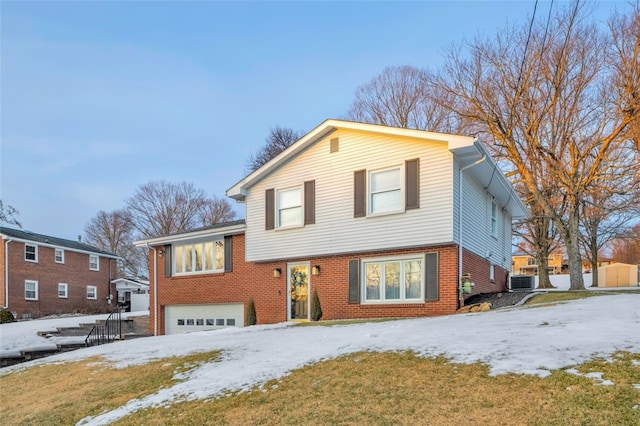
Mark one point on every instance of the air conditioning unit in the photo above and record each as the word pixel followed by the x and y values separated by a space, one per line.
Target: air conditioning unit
pixel 522 283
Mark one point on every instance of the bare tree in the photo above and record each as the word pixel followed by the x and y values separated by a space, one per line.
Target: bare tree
pixel 279 139
pixel 8 215
pixel 556 99
pixel 162 208
pixel 115 232
pixel 216 210
pixel 625 248
pixel 399 96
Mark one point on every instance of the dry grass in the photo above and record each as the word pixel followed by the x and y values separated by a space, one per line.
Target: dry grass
pixel 404 389
pixel 331 323
pixel 563 296
pixel 62 394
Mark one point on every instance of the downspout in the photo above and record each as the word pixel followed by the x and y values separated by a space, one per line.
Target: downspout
pixel 6 273
pixel 468 166
pixel 155 289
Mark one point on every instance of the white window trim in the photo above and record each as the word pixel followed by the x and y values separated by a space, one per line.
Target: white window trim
pixel 191 244
pixel 55 257
pixel 401 209
pixel 494 218
pixel 97 268
pixel 66 290
pixel 277 207
pixel 25 289
pixel 35 246
pixel 95 292
pixel 382 301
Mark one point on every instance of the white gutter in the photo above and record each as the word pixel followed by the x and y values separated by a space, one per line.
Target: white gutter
pixel 468 166
pixel 155 289
pixel 6 273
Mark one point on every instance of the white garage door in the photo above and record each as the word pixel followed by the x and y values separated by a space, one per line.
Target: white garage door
pixel 187 318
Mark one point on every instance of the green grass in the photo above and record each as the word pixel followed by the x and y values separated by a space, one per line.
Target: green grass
pixel 563 296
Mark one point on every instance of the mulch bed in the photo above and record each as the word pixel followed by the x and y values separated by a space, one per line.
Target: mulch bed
pixel 498 300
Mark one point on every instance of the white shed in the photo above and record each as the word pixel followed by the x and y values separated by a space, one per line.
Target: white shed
pixel 618 275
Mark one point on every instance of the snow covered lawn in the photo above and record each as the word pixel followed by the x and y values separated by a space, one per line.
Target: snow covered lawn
pixel 531 340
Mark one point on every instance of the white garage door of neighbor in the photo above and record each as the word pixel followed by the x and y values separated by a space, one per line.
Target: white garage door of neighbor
pixel 187 318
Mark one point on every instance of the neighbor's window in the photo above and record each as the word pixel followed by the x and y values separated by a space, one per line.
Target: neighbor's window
pixel 92 292
pixel 494 219
pixel 59 256
pixel 289 207
pixel 63 291
pixel 385 190
pixel 30 253
pixel 94 262
pixel 393 280
pixel 31 290
pixel 201 257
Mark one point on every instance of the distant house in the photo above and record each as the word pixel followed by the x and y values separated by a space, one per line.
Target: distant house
pixel 379 221
pixel 133 294
pixel 525 264
pixel 43 275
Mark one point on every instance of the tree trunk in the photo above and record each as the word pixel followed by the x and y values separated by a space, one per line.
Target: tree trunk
pixel 573 249
pixel 543 270
pixel 594 262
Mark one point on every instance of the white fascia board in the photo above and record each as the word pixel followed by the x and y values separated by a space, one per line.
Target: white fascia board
pixel 239 191
pixel 186 236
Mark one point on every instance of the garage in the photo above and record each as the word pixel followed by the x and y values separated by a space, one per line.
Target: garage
pixel 189 318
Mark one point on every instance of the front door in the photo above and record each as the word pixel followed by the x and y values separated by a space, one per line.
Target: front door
pixel 298 274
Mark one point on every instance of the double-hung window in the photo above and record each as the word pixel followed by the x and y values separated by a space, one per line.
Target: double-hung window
pixel 31 252
pixel 494 219
pixel 385 191
pixel 94 262
pixel 199 257
pixel 92 292
pixel 63 291
pixel 59 256
pixel 31 290
pixel 289 207
pixel 399 279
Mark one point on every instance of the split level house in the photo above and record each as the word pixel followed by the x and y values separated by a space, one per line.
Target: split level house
pixel 43 275
pixel 378 221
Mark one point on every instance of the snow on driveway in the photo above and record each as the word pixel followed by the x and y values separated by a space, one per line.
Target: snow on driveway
pixel 531 340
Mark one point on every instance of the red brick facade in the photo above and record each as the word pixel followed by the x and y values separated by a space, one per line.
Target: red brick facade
pixel 74 272
pixel 256 280
pixel 478 267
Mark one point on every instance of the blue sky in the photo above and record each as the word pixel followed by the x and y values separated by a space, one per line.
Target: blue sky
pixel 98 98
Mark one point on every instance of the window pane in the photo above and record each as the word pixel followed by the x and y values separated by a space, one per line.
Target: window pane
pixel 289 198
pixel 219 255
pixel 208 256
pixel 413 279
pixel 392 280
pixel 372 281
pixel 291 216
pixel 386 201
pixel 179 260
pixel 385 181
pixel 187 258
pixel 198 254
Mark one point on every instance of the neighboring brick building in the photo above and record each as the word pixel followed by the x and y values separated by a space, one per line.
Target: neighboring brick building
pixel 43 275
pixel 380 221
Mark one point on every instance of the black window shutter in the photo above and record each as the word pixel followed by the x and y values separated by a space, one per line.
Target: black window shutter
pixel 412 184
pixel 167 261
pixel 359 193
pixel 228 257
pixel 431 279
pixel 269 213
pixel 310 202
pixel 354 281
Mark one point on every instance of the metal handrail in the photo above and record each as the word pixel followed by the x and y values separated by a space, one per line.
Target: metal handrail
pixel 107 332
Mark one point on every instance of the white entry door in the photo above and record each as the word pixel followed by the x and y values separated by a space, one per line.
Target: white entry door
pixel 298 291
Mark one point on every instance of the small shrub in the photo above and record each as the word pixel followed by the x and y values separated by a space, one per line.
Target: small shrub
pixel 316 309
pixel 6 316
pixel 251 318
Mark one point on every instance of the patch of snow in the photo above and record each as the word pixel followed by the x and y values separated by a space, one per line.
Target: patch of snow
pixel 507 341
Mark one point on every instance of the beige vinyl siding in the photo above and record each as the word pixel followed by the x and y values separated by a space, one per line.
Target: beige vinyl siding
pixel 335 229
